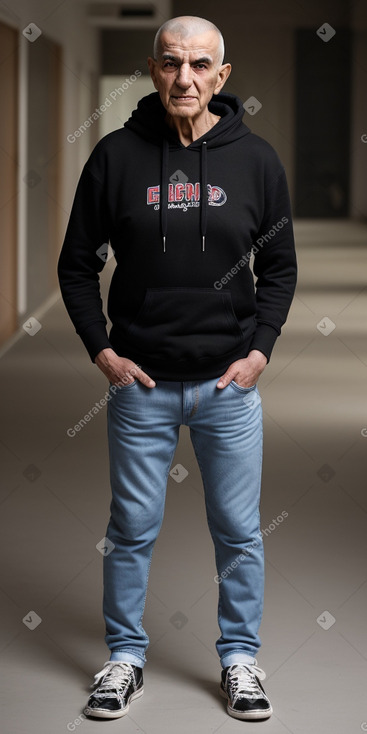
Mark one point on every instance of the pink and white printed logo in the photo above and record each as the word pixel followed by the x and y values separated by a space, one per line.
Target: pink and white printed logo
pixel 186 195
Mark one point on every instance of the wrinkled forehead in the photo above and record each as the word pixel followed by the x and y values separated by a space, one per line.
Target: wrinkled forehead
pixel 189 46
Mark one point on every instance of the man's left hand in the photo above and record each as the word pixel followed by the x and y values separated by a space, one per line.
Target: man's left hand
pixel 245 372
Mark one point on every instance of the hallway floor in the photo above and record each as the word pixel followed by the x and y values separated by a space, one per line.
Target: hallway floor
pixel 55 499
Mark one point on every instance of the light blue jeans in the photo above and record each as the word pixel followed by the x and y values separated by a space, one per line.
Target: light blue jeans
pixel 226 433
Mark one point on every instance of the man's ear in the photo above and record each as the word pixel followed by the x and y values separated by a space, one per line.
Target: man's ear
pixel 152 66
pixel 223 74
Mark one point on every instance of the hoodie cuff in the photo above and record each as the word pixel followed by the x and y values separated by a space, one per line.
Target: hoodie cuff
pixel 264 339
pixel 95 339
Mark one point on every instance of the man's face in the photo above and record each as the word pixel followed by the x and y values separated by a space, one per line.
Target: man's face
pixel 187 73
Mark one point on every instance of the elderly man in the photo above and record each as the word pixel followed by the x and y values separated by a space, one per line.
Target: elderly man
pixel 185 193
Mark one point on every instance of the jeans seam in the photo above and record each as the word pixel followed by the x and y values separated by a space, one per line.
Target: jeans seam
pixel 151 552
pixel 216 555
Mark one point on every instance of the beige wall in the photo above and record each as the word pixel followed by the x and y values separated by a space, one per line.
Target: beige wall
pixel 66 24
pixel 76 97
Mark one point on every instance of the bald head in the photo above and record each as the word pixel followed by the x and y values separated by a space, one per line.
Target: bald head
pixel 186 26
pixel 187 70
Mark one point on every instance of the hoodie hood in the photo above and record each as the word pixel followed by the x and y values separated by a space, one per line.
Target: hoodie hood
pixel 148 121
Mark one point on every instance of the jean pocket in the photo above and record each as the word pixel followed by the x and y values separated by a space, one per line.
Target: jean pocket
pixel 118 388
pixel 242 389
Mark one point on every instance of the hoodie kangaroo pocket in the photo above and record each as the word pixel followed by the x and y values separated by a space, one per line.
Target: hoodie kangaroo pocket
pixel 184 324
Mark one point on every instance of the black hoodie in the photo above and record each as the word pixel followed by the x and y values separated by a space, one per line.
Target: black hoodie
pixel 182 299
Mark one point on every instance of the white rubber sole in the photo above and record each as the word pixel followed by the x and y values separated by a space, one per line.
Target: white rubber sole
pixel 101 713
pixel 250 715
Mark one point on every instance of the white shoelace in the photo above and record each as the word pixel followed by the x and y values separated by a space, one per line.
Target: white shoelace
pixel 114 677
pixel 242 682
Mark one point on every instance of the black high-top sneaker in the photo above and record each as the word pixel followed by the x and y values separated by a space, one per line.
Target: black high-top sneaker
pixel 115 685
pixel 241 686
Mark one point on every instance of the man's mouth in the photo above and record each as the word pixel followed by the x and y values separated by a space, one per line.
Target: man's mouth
pixel 182 97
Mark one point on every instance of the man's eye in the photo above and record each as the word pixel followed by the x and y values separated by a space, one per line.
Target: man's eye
pixel 168 64
pixel 200 66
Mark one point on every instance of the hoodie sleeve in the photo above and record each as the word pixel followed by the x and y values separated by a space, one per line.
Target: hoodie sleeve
pixel 275 266
pixel 82 258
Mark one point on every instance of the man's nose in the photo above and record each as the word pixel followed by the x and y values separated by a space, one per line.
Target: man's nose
pixel 184 75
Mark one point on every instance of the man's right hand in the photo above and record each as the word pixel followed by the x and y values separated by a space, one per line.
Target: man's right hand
pixel 119 370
